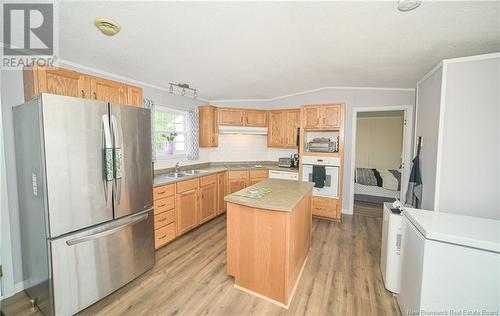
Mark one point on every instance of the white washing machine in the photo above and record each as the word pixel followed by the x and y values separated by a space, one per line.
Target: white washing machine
pixel 391 248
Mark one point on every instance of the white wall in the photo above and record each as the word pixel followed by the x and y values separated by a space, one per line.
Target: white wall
pixel 427 126
pixel 469 167
pixel 352 97
pixel 12 94
pixel 379 142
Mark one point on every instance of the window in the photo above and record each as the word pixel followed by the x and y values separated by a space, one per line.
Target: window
pixel 166 121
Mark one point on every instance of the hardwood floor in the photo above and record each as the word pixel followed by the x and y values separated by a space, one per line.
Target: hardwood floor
pixel 341 277
pixel 368 209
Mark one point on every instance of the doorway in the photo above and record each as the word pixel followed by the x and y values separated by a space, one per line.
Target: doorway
pixel 381 155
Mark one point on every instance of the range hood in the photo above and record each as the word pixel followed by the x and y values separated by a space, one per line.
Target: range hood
pixel 245 130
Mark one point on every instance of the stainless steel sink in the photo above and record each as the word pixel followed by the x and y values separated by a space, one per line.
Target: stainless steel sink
pixel 176 175
pixel 193 172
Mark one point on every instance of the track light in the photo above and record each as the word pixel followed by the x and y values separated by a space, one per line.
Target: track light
pixel 181 89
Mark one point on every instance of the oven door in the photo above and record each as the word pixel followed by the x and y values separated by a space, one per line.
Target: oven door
pixel 331 188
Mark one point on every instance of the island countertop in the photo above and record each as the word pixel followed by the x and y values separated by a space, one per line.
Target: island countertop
pixel 285 195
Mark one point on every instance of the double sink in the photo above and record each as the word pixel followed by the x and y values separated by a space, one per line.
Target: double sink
pixel 182 174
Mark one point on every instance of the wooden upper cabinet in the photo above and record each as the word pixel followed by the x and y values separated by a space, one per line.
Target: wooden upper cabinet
pixel 331 116
pixel 242 117
pixel 54 80
pixel 231 116
pixel 282 128
pixel 311 117
pixel 208 200
pixel 322 117
pixel 208 130
pixel 275 130
pixel 135 96
pixel 291 126
pixel 257 118
pixel 108 90
pixel 38 79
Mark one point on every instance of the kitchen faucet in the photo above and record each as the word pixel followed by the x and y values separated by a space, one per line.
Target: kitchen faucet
pixel 177 167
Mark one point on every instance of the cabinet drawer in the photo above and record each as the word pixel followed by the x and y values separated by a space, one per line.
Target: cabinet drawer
pixel 164 235
pixel 187 185
pixel 164 218
pixel 164 204
pixel 237 174
pixel 208 179
pixel 163 191
pixel 258 174
pixel 324 207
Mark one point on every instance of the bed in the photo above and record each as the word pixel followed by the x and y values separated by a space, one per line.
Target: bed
pixel 376 185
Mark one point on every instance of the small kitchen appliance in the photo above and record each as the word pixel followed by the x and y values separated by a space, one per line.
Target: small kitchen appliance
pixel 285 162
pixel 323 144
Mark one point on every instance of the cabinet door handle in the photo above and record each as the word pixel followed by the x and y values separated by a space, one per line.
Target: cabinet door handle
pixel 162 220
pixel 83 93
pixel 95 95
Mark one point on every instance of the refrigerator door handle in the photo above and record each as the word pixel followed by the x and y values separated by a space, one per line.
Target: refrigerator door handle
pixel 108 231
pixel 117 157
pixel 108 159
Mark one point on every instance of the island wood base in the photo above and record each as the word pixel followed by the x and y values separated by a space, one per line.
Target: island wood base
pixel 267 250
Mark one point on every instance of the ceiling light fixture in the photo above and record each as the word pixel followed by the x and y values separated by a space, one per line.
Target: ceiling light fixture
pixel 408 5
pixel 182 87
pixel 107 26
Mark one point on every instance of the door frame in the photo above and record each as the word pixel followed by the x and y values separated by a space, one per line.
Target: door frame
pixel 407 145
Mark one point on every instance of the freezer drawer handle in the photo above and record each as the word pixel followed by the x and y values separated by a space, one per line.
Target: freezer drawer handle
pixel 106 232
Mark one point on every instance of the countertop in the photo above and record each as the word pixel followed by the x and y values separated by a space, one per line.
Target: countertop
pixel 162 179
pixel 285 195
pixel 476 232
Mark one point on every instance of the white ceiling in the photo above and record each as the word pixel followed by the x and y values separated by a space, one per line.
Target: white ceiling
pixel 235 50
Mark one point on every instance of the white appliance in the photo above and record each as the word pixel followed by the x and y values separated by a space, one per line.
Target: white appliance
pixel 332 165
pixel 390 248
pixel 287 175
pixel 449 262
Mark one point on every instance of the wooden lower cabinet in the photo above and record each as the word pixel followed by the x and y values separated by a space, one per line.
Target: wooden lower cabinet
pixel 221 192
pixel 187 206
pixel 208 198
pixel 164 214
pixel 256 176
pixel 164 234
pixel 236 180
pixel 235 185
pixel 326 208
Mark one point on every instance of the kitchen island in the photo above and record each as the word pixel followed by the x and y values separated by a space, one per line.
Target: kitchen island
pixel 268 237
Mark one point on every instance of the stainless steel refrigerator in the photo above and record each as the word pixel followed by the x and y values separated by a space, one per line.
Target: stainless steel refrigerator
pixel 84 177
